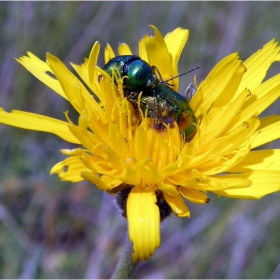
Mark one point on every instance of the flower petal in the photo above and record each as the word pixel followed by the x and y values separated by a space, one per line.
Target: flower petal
pixel 263 183
pixel 178 205
pixel 169 189
pixel 225 145
pixel 268 131
pixel 38 122
pixel 87 70
pixel 213 85
pixel 263 97
pixel 124 49
pixel 194 195
pixel 112 182
pixel 82 71
pixel 141 151
pixel 228 181
pixel 142 48
pixel 221 164
pixel 175 42
pixel 42 71
pixel 149 173
pixel 262 90
pixel 75 91
pixel 84 136
pixel 159 56
pixel 131 173
pixel 143 222
pixel 265 160
pixel 222 106
pixel 258 65
pixel 108 53
pixel 92 73
pixel 117 141
pixel 96 180
pixel 70 169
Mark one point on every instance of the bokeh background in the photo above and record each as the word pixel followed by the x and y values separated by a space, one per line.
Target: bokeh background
pixel 54 229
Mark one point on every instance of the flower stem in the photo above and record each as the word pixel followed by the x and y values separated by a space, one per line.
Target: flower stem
pixel 125 266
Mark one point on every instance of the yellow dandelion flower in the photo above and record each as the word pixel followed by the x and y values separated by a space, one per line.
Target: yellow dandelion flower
pixel 120 153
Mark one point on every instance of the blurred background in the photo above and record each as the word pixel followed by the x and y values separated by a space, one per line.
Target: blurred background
pixel 54 229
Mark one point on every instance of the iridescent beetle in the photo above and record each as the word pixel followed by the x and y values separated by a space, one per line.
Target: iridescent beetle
pixel 158 97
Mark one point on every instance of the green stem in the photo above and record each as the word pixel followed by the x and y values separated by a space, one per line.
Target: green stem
pixel 125 266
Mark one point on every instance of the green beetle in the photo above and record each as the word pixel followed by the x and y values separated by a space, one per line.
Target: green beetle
pixel 161 101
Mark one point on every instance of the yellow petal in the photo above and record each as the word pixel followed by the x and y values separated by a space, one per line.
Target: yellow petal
pixel 96 180
pixel 214 84
pixel 117 141
pixel 188 180
pixel 270 92
pixel 72 152
pixel 169 189
pixel 224 107
pixel 84 136
pixel 268 131
pixel 176 41
pixel 238 137
pixel 111 181
pixel 182 161
pixel 87 70
pixel 141 151
pixel 142 48
pixel 194 195
pixel 72 86
pixel 42 71
pixel 108 53
pixel 178 205
pixel 269 120
pixel 131 172
pixel 92 62
pixel 228 181
pixel 38 122
pixel 263 183
pixel 159 56
pixel 100 132
pixel 107 92
pixel 224 146
pixel 82 71
pixel 265 160
pixel 114 159
pixel 143 222
pixel 149 173
pixel 70 169
pixel 258 65
pixel 124 49
pixel 262 90
pixel 223 164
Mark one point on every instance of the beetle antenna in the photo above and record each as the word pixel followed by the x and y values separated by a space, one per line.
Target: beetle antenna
pixel 180 75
